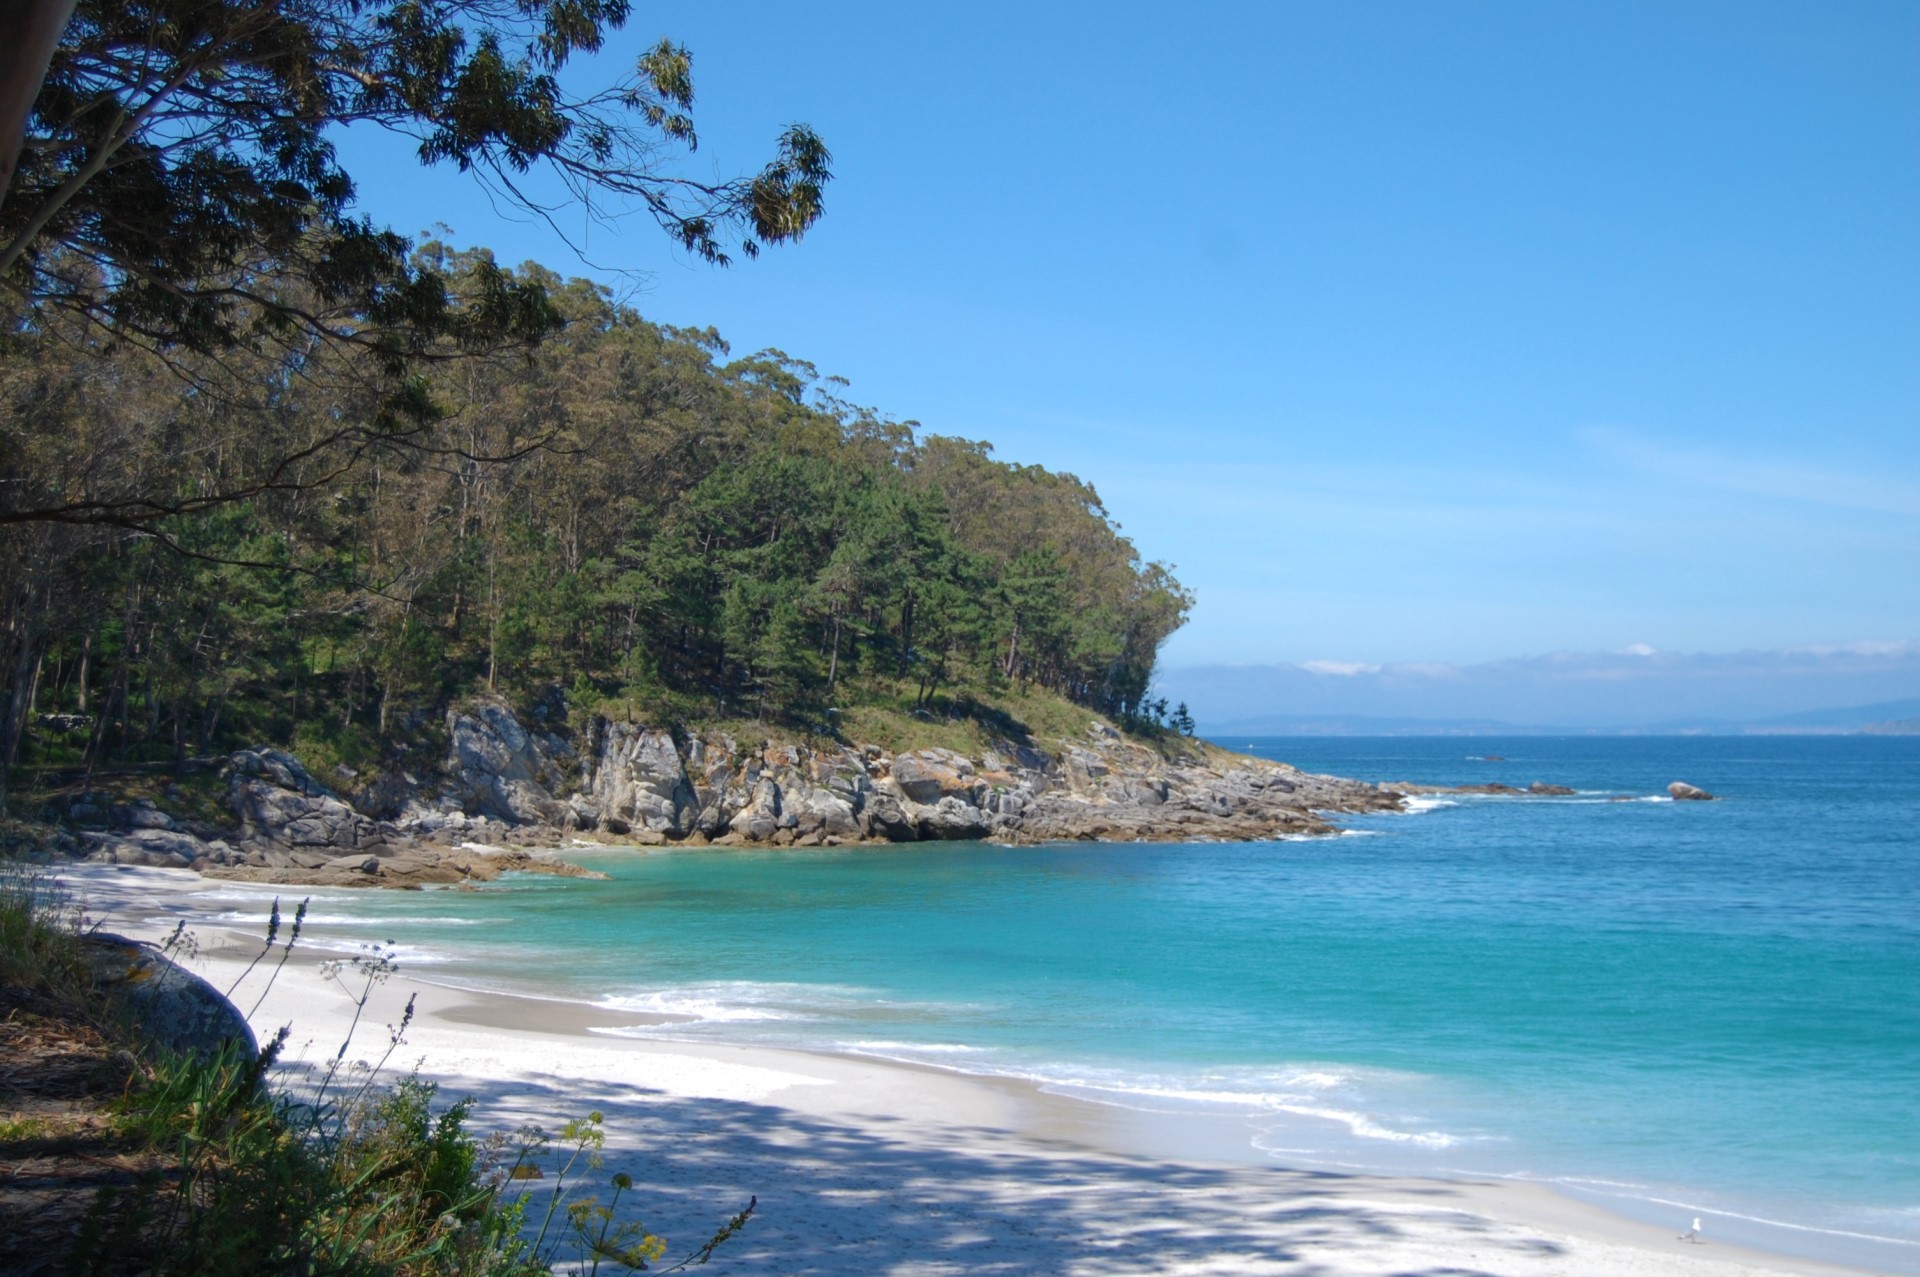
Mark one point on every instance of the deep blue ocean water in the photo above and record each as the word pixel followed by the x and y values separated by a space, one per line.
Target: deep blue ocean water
pixel 1680 1007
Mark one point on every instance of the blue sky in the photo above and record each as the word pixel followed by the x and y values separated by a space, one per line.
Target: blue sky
pixel 1406 331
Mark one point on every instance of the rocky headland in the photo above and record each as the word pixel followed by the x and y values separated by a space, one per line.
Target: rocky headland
pixel 508 796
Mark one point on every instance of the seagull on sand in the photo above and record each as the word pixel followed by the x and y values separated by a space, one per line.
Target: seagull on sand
pixel 1692 1234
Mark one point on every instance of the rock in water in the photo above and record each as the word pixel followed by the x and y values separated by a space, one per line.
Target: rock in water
pixel 1683 792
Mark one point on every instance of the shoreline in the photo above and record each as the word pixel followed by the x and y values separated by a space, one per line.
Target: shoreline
pixel 863 1162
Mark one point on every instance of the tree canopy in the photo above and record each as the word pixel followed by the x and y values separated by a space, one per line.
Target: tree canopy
pixel 178 186
pixel 274 473
pixel 706 535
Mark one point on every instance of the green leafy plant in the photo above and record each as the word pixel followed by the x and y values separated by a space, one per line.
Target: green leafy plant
pixel 344 1175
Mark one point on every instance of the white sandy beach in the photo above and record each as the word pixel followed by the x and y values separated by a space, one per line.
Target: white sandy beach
pixel 863 1166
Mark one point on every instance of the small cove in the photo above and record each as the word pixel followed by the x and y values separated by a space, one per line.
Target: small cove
pixel 1676 1008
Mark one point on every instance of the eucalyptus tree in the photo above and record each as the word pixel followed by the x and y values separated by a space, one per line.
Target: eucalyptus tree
pixel 179 188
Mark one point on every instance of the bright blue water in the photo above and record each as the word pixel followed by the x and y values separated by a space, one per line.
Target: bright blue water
pixel 1709 1005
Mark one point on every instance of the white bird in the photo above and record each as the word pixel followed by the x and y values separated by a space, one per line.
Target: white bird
pixel 1693 1234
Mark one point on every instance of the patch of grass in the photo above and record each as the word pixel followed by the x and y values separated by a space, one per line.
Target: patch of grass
pixel 39 946
pixel 31 1129
pixel 897 730
pixel 968 720
pixel 324 746
pixel 199 795
pixel 1049 717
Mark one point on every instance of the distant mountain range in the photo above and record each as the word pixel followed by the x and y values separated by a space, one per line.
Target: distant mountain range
pixel 1837 688
pixel 1887 718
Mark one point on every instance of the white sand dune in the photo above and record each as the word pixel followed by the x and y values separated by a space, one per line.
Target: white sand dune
pixel 867 1167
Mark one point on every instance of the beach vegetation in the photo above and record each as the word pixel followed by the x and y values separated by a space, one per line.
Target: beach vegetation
pixel 232 1162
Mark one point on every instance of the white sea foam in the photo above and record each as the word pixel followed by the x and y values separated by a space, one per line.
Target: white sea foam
pixel 1420 803
pixel 1319 1092
pixel 402 955
pixel 682 1003
pixel 1368 1128
pixel 1247 1090
pixel 746 1001
pixel 909 1051
pixel 289 898
pixel 1645 1194
pixel 387 923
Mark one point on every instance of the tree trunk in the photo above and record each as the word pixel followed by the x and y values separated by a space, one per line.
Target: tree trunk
pixel 211 722
pixel 33 684
pixel 28 36
pixel 26 672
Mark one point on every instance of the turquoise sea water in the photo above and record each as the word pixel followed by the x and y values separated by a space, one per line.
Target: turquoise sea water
pixel 1680 1008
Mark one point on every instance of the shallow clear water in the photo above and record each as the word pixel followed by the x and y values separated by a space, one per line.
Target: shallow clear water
pixel 1714 1005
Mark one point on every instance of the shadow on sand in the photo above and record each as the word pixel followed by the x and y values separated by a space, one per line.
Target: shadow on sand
pixel 889 1195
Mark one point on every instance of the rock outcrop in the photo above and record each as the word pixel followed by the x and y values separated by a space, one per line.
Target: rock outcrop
pixel 1685 793
pixel 649 785
pixel 498 770
pixel 1538 789
pixel 504 791
pixel 292 828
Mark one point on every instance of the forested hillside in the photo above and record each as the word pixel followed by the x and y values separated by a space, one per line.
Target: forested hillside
pixel 253 549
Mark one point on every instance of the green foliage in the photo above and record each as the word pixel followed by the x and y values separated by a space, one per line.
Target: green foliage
pixel 37 927
pixel 705 539
pixel 179 183
pixel 353 1178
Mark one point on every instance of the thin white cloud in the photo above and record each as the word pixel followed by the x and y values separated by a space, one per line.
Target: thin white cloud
pixel 1782 479
pixel 1340 669
pixel 1425 669
pixel 1892 648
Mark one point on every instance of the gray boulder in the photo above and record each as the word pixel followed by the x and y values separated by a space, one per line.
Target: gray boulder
pixel 144 815
pixel 499 770
pixel 279 803
pixel 951 819
pixel 823 812
pixel 157 848
pixel 174 1007
pixel 278 768
pixel 763 815
pixel 928 775
pixel 884 817
pixel 1685 793
pixel 638 781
